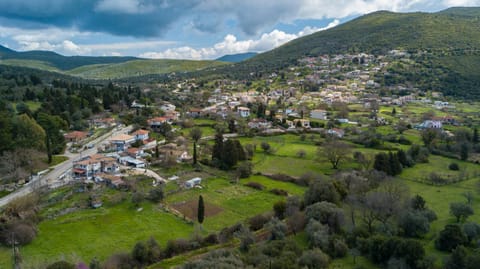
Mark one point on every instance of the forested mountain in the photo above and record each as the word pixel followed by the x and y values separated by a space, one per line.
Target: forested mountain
pixel 98 67
pixel 448 42
pixel 58 61
pixel 236 58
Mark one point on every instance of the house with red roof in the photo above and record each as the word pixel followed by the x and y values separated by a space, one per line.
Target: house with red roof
pixel 75 136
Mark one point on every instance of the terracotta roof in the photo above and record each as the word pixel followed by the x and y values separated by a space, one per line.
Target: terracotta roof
pixel 122 137
pixel 157 119
pixel 76 134
pixel 141 132
pixel 133 150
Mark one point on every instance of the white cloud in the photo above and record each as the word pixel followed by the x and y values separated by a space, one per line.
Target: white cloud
pixel 230 45
pixel 461 3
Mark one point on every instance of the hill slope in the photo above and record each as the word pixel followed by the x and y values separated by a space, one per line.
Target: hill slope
pixel 59 61
pixel 236 58
pixel 139 67
pixel 99 67
pixel 451 38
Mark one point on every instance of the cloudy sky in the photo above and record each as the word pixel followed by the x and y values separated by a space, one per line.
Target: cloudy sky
pixel 188 29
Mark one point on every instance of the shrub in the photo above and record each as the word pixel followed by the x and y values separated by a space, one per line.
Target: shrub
pixel 453 167
pixel 314 258
pixel 227 233
pixel 24 233
pixel 450 237
pixel 279 192
pixel 301 153
pixel 338 248
pixel 244 170
pixel 256 222
pixel 120 261
pixel 255 185
pixel 156 194
pixel 61 265
pixel 210 239
pixel 279 209
pixel 266 147
pixel 177 246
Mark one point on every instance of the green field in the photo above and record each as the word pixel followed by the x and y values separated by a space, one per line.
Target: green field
pixel 89 233
pixel 237 201
pixel 139 68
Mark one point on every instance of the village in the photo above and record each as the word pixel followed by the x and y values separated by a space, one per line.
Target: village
pixel 329 95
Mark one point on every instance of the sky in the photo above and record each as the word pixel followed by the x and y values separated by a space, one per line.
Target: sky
pixel 180 29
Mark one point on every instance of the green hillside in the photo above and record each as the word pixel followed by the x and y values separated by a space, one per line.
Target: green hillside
pixel 140 68
pixel 30 64
pixel 99 67
pixel 59 61
pixel 380 32
pixel 450 38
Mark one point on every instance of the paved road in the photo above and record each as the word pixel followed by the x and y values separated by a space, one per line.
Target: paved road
pixel 53 177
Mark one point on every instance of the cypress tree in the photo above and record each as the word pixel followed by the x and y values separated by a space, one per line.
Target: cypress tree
pixel 201 210
pixel 402 158
pixel 217 151
pixel 475 138
pixel 240 151
pixel 230 154
pixel 382 163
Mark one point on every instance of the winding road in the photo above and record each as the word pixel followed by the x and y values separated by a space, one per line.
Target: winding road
pixel 54 177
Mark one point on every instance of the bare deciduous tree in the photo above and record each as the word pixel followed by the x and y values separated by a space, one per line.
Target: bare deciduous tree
pixel 334 151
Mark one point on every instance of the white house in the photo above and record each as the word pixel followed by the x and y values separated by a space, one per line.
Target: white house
pixel 127 160
pixel 141 134
pixel 168 107
pixel 336 132
pixel 318 114
pixel 302 123
pixel 122 141
pixel 430 124
pixel 193 182
pixel 244 112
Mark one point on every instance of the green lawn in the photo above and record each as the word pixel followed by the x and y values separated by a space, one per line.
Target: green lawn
pixel 237 201
pixel 100 232
pixel 88 233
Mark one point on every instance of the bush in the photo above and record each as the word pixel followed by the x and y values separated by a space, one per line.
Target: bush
pixel 210 239
pixel 454 167
pixel 279 209
pixel 338 248
pixel 279 192
pixel 227 233
pixel 156 194
pixel 120 261
pixel 61 265
pixel 314 258
pixel 450 237
pixel 301 153
pixel 255 185
pixel 244 170
pixel 257 222
pixel 177 246
pixel 24 233
pixel 266 147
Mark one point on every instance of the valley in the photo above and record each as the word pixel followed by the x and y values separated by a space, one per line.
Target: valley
pixel 318 154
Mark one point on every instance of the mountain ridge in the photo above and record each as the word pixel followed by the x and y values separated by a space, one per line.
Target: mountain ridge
pixel 236 58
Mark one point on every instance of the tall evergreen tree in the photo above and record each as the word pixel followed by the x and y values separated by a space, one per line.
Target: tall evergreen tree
pixel 475 137
pixel 230 154
pixel 201 210
pixel 395 166
pixel 240 151
pixel 402 158
pixel 195 134
pixel 382 163
pixel 217 150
